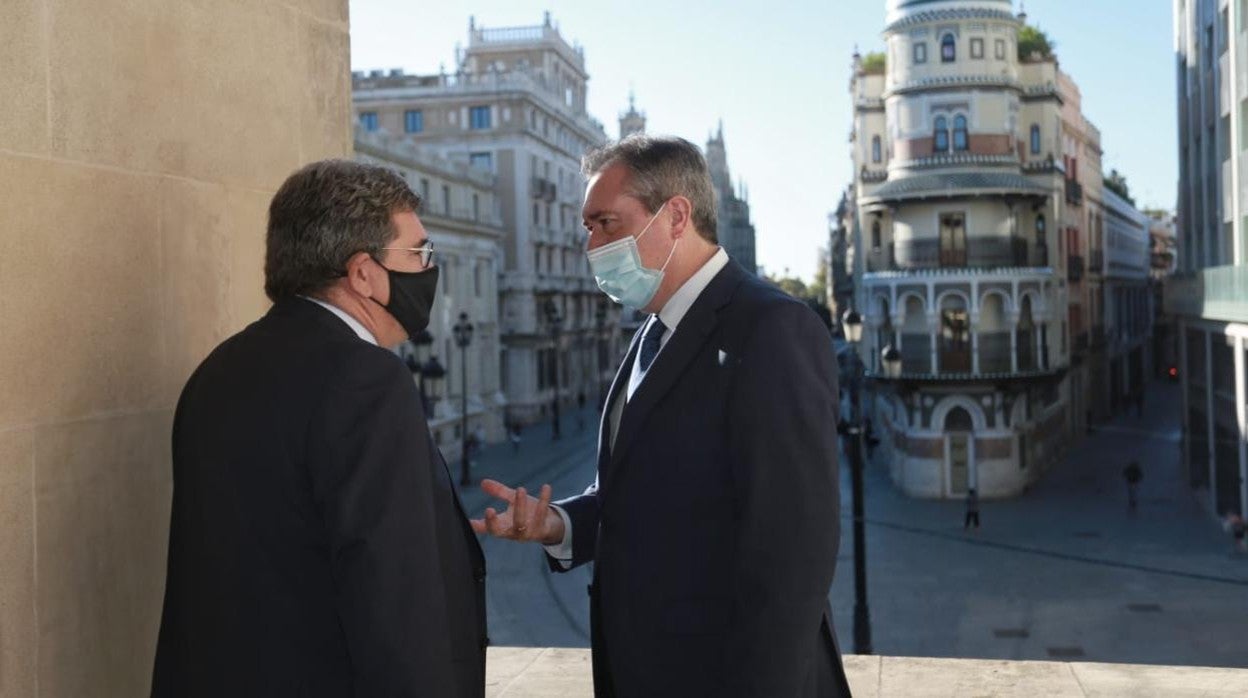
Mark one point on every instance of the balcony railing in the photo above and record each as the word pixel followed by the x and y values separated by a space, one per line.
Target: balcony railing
pixel 1074 192
pixel 1074 268
pixel 986 252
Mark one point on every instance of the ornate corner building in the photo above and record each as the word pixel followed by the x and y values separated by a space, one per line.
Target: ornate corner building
pixel 977 208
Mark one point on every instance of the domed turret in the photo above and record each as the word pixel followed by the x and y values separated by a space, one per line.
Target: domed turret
pixel 900 9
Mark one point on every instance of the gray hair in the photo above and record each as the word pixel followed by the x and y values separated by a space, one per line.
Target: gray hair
pixel 661 167
pixel 323 214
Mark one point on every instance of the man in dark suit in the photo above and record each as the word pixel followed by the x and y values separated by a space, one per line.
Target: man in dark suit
pixel 714 520
pixel 317 546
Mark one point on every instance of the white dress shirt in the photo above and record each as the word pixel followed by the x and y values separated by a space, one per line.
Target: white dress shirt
pixel 354 324
pixel 670 314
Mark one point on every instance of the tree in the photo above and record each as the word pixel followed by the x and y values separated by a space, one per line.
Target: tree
pixel 874 62
pixel 1033 40
pixel 1117 183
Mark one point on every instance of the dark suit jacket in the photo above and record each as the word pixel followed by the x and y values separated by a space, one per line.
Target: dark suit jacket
pixel 317 545
pixel 714 522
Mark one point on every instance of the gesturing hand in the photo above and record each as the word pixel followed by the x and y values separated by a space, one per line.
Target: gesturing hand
pixel 526 518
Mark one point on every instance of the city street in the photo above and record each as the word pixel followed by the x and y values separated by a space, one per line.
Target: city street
pixel 1064 572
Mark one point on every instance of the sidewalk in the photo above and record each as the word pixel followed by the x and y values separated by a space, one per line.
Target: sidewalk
pixel 1062 572
pixel 538 460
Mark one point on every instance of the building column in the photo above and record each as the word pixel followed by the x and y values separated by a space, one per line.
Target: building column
pixel 1041 332
pixel 1185 423
pixel 1209 420
pixel 1242 421
pixel 1014 349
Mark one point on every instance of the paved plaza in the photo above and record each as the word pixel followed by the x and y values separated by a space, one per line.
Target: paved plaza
pixel 1062 573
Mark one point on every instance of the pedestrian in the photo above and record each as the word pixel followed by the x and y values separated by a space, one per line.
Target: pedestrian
pixel 513 434
pixel 972 509
pixel 1132 474
pixel 1237 527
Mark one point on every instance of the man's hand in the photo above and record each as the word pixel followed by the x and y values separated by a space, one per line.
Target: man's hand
pixel 526 518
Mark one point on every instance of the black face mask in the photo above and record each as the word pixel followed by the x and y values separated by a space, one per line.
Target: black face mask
pixel 411 298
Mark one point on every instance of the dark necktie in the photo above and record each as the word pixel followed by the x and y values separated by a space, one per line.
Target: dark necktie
pixel 651 341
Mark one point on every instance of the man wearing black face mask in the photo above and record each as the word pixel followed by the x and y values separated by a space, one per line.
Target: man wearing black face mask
pixel 317 546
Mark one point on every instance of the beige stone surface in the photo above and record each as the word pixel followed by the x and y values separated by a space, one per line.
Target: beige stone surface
pixel 79 272
pixel 515 672
pixel 17 563
pixel 1159 681
pixel 922 677
pixel 24 80
pixel 102 495
pixel 212 247
pixel 325 93
pixel 140 143
pixel 202 90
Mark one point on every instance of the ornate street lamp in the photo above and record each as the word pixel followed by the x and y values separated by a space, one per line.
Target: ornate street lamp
pixel 463 337
pixel 890 358
pixel 431 375
pixel 555 320
pixel 851 325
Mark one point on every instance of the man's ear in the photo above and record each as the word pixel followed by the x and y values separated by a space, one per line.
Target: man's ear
pixel 362 275
pixel 679 212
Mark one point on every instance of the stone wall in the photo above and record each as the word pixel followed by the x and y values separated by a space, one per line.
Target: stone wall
pixel 140 143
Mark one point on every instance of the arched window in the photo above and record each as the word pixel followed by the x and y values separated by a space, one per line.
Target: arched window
pixel 940 140
pixel 1035 139
pixel 875 234
pixel 876 156
pixel 948 48
pixel 960 140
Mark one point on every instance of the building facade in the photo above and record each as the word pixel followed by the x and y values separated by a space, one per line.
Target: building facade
pixel 1081 238
pixel 1208 295
pixel 465 224
pixel 1127 301
pixel 735 231
pixel 959 150
pixel 839 283
pixel 515 106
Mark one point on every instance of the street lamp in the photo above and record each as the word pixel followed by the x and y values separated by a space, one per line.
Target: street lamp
pixel 600 318
pixel 431 375
pixel 891 360
pixel 555 320
pixel 422 341
pixel 851 324
pixel 463 337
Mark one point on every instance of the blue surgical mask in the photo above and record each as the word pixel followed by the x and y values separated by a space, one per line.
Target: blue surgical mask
pixel 618 270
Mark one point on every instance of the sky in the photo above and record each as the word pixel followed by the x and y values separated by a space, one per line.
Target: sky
pixel 777 74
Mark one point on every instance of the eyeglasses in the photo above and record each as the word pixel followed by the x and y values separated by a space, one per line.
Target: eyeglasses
pixel 425 253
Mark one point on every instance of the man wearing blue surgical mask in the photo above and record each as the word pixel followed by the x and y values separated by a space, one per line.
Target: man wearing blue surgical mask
pixel 714 520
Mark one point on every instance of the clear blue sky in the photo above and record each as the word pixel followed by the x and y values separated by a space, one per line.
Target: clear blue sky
pixel 777 73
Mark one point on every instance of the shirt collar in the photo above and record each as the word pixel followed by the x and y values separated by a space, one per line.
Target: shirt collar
pixel 354 324
pixel 678 305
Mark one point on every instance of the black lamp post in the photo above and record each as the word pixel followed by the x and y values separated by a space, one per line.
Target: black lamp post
pixel 463 337
pixel 422 341
pixel 851 324
pixel 600 321
pixel 555 321
pixel 891 360
pixel 431 376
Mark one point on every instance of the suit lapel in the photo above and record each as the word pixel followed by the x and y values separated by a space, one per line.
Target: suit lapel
pixel 686 343
pixel 618 386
